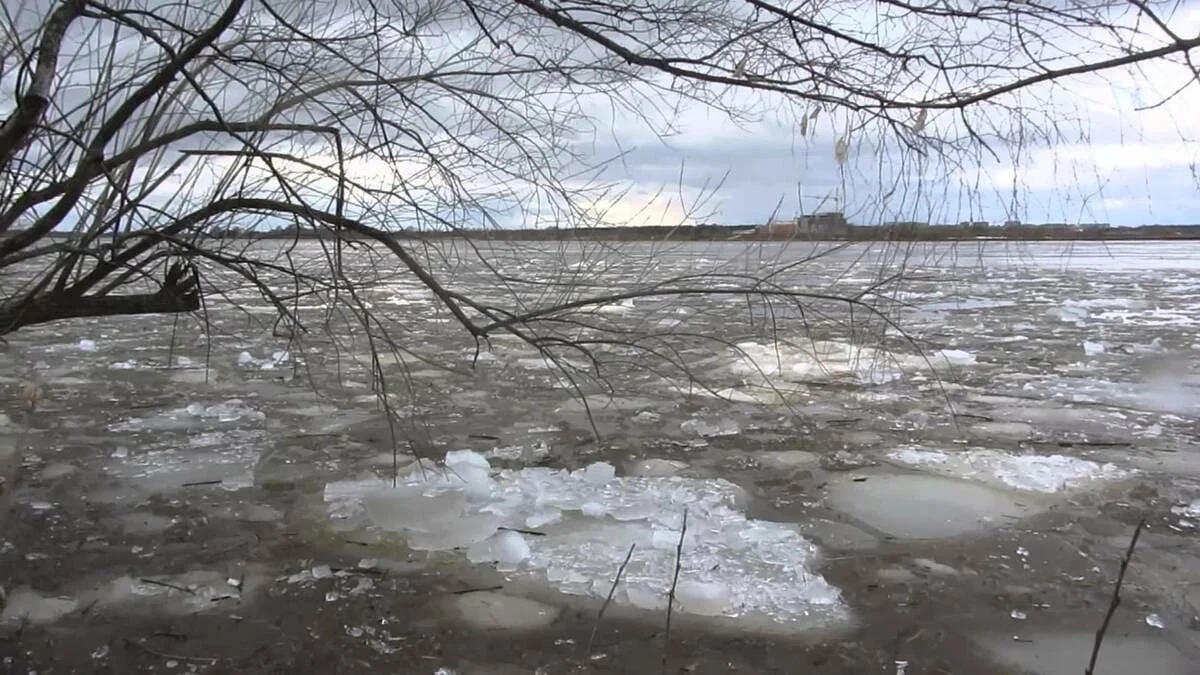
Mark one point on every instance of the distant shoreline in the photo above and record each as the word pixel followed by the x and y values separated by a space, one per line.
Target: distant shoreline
pixel 752 233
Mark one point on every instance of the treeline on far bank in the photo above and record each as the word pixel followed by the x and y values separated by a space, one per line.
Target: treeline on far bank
pixel 758 233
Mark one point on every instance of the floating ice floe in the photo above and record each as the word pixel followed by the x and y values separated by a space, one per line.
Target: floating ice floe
pixel 225 412
pixel 1092 348
pixel 832 360
pixel 1031 473
pixel 707 429
pixel 1191 510
pixel 587 520
pixel 278 358
pixel 86 345
pixel 954 357
pixel 623 307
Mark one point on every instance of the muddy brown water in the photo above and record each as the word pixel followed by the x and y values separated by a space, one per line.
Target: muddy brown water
pixel 134 526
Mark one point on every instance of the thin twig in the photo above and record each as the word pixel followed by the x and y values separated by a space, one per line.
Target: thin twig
pixel 611 590
pixel 671 593
pixel 1116 598
pixel 532 533
pixel 163 655
pixel 476 589
pixel 167 585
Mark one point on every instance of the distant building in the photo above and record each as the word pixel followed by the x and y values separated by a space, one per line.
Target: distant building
pixel 1012 224
pixel 826 224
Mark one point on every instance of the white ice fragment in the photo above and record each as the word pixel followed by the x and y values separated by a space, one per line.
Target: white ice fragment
pixel 646 598
pixel 322 572
pixel 464 458
pixel 543 517
pixel 1154 621
pixel 637 511
pixel 664 539
pixel 26 604
pixel 657 467
pixel 230 410
pixel 707 429
pixel 1032 473
pixel 1189 511
pixel 592 509
pixel 957 357
pixel 86 345
pixel 507 548
pixel 598 473
pixel 246 359
pixel 1018 615
pixel 935 567
pixel 407 508
pixel 705 599
pixel 1093 348
pixel 476 482
pixel 647 417
pixel 449 533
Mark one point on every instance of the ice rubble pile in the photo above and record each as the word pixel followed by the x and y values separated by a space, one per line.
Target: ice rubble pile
pixel 1032 473
pixel 731 566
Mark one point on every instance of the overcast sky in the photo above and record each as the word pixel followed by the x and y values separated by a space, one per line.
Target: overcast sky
pixel 1093 157
pixel 1108 162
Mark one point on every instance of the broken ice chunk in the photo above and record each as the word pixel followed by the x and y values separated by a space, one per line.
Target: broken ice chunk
pixel 598 473
pixel 448 533
pixel 592 509
pixel 638 511
pixel 543 517
pixel 703 598
pixel 26 604
pixel 957 357
pixel 86 345
pixel 1092 348
pixel 407 508
pixel 477 485
pixel 711 429
pixel 643 597
pixel 507 548
pixel 459 458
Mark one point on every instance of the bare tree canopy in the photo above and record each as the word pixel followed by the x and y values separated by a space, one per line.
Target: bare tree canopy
pixel 136 129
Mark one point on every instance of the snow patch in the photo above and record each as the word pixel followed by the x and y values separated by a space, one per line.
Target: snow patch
pixel 1031 473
